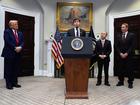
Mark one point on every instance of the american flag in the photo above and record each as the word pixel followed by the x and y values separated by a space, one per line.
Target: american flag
pixel 56 49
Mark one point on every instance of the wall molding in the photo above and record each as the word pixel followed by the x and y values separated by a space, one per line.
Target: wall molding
pixel 50 59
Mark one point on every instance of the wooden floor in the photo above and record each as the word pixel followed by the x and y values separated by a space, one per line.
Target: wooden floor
pixel 50 91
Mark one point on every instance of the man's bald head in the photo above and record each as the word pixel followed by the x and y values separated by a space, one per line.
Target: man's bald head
pixel 13 24
pixel 103 35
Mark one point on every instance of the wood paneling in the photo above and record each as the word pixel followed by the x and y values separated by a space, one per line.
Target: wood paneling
pixel 76 77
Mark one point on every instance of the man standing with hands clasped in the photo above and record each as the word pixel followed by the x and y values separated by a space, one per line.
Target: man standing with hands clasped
pixel 13 45
pixel 103 50
pixel 124 46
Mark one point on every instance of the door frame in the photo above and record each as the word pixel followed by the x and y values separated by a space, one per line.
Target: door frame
pixel 37 32
pixel 112 17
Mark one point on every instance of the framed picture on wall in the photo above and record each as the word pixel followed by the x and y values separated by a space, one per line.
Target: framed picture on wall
pixel 66 12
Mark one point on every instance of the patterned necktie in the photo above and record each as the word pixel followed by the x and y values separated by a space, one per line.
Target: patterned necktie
pixel 16 37
pixel 123 36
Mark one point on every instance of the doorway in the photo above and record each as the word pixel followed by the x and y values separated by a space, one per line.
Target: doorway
pixel 26 26
pixel 134 26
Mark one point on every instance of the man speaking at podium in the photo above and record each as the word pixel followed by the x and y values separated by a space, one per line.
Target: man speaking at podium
pixel 76 31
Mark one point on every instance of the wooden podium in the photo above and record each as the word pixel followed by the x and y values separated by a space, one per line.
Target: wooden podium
pixel 76 77
pixel 76 65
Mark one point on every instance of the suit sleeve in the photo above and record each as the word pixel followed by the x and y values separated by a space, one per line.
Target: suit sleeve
pixel 97 49
pixel 117 45
pixel 109 50
pixel 132 44
pixel 8 41
pixel 68 33
pixel 84 33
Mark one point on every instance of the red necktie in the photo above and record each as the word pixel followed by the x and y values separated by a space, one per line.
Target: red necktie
pixel 16 37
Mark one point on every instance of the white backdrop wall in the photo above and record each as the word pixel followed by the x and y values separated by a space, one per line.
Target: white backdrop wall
pixel 121 6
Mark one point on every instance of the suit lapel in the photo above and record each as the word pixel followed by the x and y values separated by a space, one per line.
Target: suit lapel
pixel 100 43
pixel 73 32
pixel 105 43
pixel 81 32
pixel 18 36
pixel 12 35
pixel 127 36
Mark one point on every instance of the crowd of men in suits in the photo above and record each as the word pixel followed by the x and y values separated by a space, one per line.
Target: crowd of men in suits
pixel 124 47
pixel 14 42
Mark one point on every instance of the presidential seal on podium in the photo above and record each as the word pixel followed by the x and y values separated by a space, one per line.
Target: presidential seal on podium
pixel 77 44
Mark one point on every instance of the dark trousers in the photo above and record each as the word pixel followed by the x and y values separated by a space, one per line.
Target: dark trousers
pixel 102 63
pixel 11 70
pixel 125 69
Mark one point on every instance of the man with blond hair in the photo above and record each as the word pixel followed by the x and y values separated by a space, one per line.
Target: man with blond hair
pixel 13 45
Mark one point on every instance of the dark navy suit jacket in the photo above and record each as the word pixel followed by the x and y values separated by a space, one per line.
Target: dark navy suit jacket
pixel 72 33
pixel 10 43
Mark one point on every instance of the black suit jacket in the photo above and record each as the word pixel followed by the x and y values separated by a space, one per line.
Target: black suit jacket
pixel 72 33
pixel 126 46
pixel 10 43
pixel 106 50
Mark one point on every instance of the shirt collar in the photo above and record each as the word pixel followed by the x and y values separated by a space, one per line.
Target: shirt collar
pixel 102 39
pixel 126 32
pixel 14 30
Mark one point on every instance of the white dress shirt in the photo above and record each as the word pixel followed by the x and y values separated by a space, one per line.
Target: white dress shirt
pixel 75 31
pixel 103 42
